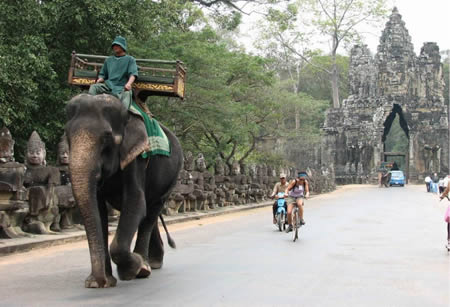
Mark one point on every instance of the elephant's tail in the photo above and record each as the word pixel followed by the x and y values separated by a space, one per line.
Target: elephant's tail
pixel 169 238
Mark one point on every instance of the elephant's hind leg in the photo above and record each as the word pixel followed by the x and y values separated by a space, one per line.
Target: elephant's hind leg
pixel 142 244
pixel 156 248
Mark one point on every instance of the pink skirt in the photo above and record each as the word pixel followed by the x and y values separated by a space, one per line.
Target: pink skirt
pixel 447 215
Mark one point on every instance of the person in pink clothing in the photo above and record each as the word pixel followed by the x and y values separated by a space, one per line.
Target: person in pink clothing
pixel 447 216
pixel 297 190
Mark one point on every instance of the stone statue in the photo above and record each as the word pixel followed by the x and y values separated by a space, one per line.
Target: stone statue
pixel 219 166
pixel 189 161
pixel 41 181
pixel 65 200
pixel 219 180
pixel 432 158
pixel 6 146
pixel 199 183
pixel 176 201
pixel 13 207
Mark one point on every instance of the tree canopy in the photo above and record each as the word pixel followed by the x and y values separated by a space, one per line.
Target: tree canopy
pixel 235 101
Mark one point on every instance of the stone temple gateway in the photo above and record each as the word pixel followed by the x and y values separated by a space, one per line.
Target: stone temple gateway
pixel 395 82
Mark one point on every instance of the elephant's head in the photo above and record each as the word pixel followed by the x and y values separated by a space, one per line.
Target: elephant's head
pixel 103 137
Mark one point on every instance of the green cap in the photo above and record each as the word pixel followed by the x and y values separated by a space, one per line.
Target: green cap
pixel 121 41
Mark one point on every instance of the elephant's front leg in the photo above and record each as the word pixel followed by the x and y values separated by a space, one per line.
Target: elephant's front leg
pixel 133 211
pixel 111 281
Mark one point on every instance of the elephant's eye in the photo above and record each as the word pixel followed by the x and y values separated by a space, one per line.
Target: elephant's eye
pixel 107 138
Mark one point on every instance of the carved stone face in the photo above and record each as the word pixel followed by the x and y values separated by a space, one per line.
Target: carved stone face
pixel 63 152
pixel 219 168
pixel 64 157
pixel 36 156
pixel 188 161
pixel 6 146
pixel 244 170
pixel 35 150
pixel 200 163
pixel 235 169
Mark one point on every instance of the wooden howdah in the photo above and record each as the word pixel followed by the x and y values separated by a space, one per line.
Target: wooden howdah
pixel 156 77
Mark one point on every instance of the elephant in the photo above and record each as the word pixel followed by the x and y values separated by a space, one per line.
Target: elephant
pixel 106 166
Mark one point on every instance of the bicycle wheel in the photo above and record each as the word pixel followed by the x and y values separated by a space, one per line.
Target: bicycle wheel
pixel 295 224
pixel 279 221
pixel 283 220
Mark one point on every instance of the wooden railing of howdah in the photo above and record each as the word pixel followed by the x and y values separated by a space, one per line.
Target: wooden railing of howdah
pixel 156 77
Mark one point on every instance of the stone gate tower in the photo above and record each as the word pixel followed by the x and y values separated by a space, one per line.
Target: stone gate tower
pixel 395 82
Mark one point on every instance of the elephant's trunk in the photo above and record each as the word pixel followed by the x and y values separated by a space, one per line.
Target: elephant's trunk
pixel 83 169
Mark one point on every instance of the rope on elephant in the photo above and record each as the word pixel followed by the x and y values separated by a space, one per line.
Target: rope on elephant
pixel 159 143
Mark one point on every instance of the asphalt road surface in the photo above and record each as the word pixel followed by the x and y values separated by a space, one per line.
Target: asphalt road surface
pixel 361 246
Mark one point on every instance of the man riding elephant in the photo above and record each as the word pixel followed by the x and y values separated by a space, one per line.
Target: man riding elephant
pixel 117 74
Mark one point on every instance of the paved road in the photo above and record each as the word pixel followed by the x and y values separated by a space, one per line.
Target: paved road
pixel 362 246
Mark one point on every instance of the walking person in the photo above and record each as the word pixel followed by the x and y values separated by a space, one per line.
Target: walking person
pixel 441 185
pixel 428 183
pixel 447 217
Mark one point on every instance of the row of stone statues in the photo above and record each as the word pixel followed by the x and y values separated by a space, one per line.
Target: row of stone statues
pixel 34 197
pixel 37 198
pixel 201 189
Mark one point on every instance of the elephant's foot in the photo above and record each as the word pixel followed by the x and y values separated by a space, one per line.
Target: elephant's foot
pixel 145 271
pixel 131 268
pixel 156 262
pixel 105 282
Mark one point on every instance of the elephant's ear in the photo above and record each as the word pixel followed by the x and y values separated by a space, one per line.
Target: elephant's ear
pixel 134 142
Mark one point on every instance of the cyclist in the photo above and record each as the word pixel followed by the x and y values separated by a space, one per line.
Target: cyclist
pixel 297 190
pixel 279 187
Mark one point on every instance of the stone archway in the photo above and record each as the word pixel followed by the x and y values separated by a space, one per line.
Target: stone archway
pixel 394 82
pixel 399 157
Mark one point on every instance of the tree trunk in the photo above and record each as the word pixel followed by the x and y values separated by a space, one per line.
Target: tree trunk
pixel 335 85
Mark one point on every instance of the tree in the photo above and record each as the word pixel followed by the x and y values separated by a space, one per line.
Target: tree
pixel 229 104
pixel 36 41
pixel 304 22
pixel 339 21
pixel 26 74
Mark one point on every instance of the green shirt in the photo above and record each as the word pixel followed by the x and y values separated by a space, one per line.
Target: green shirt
pixel 117 70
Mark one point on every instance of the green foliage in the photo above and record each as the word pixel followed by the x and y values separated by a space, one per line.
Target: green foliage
pixel 396 140
pixel 228 104
pixel 316 82
pixel 234 102
pixel 26 74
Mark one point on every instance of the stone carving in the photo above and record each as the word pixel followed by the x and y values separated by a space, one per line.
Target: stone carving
pixel 219 180
pixel 394 82
pixel 189 163
pixel 41 180
pixel 65 200
pixel 13 208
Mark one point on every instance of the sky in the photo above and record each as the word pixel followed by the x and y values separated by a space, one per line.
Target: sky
pixel 426 21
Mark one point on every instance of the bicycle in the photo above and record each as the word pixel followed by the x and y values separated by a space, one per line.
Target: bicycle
pixel 295 223
pixel 281 212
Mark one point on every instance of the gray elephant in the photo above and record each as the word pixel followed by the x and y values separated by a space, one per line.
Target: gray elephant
pixel 106 166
